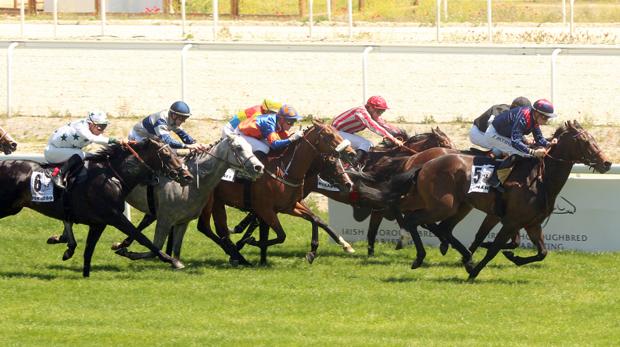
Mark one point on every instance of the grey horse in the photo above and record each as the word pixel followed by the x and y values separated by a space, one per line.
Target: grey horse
pixel 174 206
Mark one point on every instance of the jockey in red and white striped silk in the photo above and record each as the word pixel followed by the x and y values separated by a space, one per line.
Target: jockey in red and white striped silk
pixel 364 117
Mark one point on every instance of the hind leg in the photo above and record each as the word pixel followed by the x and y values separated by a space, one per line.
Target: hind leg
pixel 94 233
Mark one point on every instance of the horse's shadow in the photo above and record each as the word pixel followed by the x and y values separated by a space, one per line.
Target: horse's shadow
pixel 19 275
pixel 77 268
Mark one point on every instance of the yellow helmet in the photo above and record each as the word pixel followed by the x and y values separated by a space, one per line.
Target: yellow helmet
pixel 270 105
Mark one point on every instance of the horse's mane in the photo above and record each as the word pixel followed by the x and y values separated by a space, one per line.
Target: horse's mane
pixel 565 127
pixel 196 155
pixel 105 153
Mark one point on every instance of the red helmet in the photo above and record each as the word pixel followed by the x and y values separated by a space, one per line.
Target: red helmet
pixel 377 102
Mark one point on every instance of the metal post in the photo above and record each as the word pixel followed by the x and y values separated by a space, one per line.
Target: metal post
pixel 183 56
pixel 329 9
pixel 216 16
pixel 183 17
pixel 490 20
pixel 310 16
pixel 9 76
pixel 438 18
pixel 572 16
pixel 22 17
pixel 350 9
pixel 55 10
pixel 564 12
pixel 103 19
pixel 554 56
pixel 367 50
pixel 445 10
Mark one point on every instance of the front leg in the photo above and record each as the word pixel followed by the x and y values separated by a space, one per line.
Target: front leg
pixel 536 235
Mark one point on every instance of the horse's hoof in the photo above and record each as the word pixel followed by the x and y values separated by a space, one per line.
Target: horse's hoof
pixel 116 246
pixel 176 264
pixel 371 252
pixel 68 254
pixel 443 248
pixel 348 249
pixel 310 257
pixel 399 245
pixel 233 262
pixel 54 239
pixel 123 252
pixel 509 254
pixel 469 266
pixel 417 263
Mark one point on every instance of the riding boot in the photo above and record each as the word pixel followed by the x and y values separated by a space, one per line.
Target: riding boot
pixel 59 177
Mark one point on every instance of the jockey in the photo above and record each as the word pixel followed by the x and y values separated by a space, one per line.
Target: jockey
pixel 268 106
pixel 359 118
pixel 476 134
pixel 270 130
pixel 160 124
pixel 67 142
pixel 505 133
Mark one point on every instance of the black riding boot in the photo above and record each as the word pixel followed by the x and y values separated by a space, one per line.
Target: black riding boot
pixel 71 165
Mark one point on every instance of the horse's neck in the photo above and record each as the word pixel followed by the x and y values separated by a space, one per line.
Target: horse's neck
pixel 131 174
pixel 215 163
pixel 556 174
pixel 421 145
pixel 297 160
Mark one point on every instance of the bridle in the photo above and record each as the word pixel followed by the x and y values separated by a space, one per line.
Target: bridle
pixel 240 163
pixel 583 157
pixel 168 171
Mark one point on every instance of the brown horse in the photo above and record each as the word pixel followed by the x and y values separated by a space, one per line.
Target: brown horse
pixel 439 192
pixel 7 144
pixel 279 190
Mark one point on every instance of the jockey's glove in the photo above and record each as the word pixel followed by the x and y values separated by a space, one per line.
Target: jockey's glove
pixel 538 152
pixel 296 136
pixel 112 141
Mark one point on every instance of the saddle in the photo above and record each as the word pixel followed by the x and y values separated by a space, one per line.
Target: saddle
pixel 72 177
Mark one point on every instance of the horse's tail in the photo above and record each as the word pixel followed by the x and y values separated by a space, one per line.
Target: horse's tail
pixel 390 192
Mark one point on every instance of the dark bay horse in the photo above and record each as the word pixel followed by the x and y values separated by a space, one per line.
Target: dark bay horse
pixel 99 199
pixel 438 191
pixel 279 190
pixel 7 144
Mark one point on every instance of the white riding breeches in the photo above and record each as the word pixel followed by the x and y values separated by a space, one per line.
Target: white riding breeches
pixel 501 143
pixel 478 138
pixel 57 155
pixel 257 145
pixel 227 130
pixel 357 142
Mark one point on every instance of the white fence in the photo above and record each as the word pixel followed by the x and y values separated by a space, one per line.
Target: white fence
pixel 363 52
pixel 215 4
pixel 592 225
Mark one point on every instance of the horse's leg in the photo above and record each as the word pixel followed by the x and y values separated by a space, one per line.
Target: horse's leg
pixel 125 226
pixel 147 220
pixel 536 235
pixel 62 238
pixel 445 230
pixel 162 230
pixel 247 236
pixel 263 241
pixel 71 243
pixel 170 239
pixel 489 222
pixel 244 223
pixel 408 222
pixel 373 227
pixel 94 233
pixel 270 218
pixel 178 233
pixel 444 243
pixel 500 240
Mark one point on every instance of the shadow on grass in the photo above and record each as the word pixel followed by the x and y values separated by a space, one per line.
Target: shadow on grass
pixel 45 277
pixel 78 268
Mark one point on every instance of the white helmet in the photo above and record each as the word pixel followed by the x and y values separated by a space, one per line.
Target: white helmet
pixel 97 117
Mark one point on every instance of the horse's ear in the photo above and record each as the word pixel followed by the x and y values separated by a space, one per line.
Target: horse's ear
pixel 577 125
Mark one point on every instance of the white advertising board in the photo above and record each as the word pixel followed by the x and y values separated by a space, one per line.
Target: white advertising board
pixel 594 225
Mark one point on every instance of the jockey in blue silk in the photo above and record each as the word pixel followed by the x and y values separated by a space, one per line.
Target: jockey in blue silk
pixel 270 131
pixel 160 124
pixel 505 133
pixel 268 106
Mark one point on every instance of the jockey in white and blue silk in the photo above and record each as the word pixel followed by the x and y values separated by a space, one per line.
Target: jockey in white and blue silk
pixel 161 124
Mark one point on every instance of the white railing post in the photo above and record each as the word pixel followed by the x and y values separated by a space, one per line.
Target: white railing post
pixel 55 10
pixel 216 17
pixel 103 17
pixel 22 17
pixel 183 17
pixel 328 4
pixel 367 50
pixel 554 56
pixel 350 10
pixel 572 16
pixel 310 16
pixel 183 57
pixel 564 12
pixel 490 20
pixel 9 76
pixel 445 10
pixel 438 18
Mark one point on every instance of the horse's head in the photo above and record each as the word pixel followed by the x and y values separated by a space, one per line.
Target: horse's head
pixel 442 139
pixel 326 139
pixel 160 157
pixel 241 157
pixel 577 145
pixel 424 141
pixel 7 144
pixel 332 170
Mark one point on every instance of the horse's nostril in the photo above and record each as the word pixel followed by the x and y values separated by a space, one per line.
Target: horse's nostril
pixel 607 164
pixel 188 178
pixel 258 168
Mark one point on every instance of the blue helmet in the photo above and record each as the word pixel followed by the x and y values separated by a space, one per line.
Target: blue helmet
pixel 180 108
pixel 289 113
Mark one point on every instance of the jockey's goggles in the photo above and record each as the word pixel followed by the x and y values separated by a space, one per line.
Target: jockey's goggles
pixel 100 127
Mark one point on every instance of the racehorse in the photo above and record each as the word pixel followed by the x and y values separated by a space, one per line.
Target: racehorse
pixel 98 199
pixel 174 206
pixel 7 144
pixel 279 190
pixel 438 191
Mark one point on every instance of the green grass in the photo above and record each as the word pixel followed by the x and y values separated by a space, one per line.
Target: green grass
pixel 570 299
